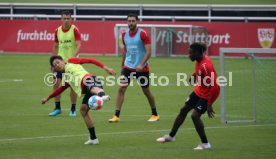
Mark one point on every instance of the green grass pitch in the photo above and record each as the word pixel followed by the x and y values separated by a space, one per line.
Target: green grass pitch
pixel 26 130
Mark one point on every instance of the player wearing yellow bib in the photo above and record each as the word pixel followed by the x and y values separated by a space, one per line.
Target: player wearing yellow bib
pixel 81 82
pixel 67 45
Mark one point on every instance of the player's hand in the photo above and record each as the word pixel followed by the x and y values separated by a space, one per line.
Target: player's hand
pixel 139 68
pixel 109 71
pixel 210 111
pixel 44 100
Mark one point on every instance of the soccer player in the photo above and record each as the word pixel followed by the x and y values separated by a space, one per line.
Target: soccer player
pixel 201 99
pixel 67 44
pixel 81 82
pixel 135 64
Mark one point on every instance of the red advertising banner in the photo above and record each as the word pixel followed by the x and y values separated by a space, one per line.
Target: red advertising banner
pixel 37 36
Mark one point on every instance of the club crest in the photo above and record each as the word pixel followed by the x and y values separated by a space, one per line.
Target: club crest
pixel 266 37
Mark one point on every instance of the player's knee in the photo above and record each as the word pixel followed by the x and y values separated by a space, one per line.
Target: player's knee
pixel 122 90
pixel 146 91
pixel 83 110
pixel 123 81
pixel 184 111
pixel 195 116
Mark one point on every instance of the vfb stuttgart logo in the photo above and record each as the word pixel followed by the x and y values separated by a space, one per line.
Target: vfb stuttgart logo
pixel 266 37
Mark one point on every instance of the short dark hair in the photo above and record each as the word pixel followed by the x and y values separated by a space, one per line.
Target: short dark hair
pixel 66 12
pixel 198 47
pixel 52 58
pixel 132 15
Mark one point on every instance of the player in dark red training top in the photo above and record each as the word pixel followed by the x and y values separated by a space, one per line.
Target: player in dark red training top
pixel 201 99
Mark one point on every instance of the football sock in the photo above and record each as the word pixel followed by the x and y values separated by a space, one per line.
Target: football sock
pixel 204 139
pixel 117 113
pixel 172 133
pixel 57 105
pixel 73 107
pixel 100 94
pixel 92 133
pixel 153 111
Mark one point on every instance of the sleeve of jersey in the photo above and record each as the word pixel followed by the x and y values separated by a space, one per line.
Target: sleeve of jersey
pixel 145 37
pixel 56 38
pixel 76 60
pixel 214 94
pixel 59 90
pixel 77 34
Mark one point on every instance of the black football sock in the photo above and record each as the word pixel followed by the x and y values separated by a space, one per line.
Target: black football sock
pixel 154 111
pixel 173 133
pixel 117 113
pixel 73 107
pixel 204 139
pixel 100 94
pixel 92 133
pixel 57 105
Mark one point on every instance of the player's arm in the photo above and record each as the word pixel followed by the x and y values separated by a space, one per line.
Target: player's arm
pixel 213 92
pixel 75 60
pixel 78 42
pixel 147 43
pixel 124 56
pixel 55 47
pixel 56 92
pixel 124 51
pixel 207 71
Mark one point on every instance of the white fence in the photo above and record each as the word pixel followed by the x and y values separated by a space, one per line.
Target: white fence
pixel 140 8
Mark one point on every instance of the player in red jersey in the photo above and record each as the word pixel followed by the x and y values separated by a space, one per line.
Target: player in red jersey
pixel 201 99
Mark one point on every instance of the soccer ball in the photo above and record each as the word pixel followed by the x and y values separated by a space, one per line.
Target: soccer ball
pixel 95 102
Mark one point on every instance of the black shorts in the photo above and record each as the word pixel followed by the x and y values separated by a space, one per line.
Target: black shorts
pixel 198 104
pixel 57 74
pixel 89 83
pixel 141 77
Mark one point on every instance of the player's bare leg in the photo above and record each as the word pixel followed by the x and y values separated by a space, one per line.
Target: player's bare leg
pixel 151 100
pixel 180 119
pixel 199 126
pixel 84 109
pixel 100 92
pixel 57 109
pixel 120 97
pixel 73 97
pixel 177 123
pixel 56 85
pixel 119 102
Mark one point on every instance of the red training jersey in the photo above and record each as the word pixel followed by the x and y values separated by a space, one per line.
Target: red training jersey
pixel 207 86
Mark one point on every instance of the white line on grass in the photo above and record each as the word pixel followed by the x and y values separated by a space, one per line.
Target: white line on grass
pixel 11 80
pixel 130 132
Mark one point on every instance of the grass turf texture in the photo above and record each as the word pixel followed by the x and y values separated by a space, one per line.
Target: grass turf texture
pixel 28 132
